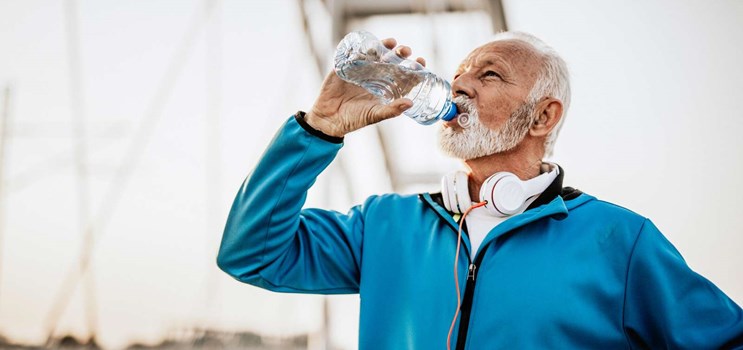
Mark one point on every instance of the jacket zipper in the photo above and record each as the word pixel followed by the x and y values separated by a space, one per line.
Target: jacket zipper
pixel 469 294
pixel 466 308
pixel 469 290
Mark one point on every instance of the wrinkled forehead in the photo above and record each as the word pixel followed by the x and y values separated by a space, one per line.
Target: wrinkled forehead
pixel 515 54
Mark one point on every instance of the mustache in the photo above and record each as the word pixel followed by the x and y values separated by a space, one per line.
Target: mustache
pixel 468 114
pixel 465 105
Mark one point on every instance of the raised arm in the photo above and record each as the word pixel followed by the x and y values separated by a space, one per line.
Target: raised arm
pixel 269 240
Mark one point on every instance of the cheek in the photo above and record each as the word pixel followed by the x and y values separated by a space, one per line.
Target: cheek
pixel 495 113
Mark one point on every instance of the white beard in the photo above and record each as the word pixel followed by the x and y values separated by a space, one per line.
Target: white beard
pixel 477 140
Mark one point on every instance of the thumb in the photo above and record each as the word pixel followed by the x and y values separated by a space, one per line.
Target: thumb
pixel 393 109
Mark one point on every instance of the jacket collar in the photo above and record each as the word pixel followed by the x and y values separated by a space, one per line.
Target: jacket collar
pixel 556 209
pixel 554 190
pixel 554 202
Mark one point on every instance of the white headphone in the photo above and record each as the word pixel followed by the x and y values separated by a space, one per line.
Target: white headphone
pixel 504 192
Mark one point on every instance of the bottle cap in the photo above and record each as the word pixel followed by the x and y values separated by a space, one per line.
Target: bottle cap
pixel 451 113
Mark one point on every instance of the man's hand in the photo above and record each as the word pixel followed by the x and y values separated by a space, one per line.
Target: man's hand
pixel 343 107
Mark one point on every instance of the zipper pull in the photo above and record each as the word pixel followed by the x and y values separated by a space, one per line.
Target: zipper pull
pixel 471 274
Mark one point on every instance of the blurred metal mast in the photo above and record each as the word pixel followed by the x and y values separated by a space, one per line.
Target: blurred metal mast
pixel 321 340
pixel 134 152
pixel 77 113
pixel 497 15
pixel 80 153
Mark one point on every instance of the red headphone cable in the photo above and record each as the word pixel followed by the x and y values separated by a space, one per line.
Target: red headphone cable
pixel 456 273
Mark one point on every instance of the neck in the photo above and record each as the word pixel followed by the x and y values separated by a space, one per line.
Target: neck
pixel 525 165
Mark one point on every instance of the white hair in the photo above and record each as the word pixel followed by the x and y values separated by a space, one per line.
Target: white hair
pixel 553 79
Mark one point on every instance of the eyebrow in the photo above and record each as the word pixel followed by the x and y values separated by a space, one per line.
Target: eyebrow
pixel 491 60
pixel 496 61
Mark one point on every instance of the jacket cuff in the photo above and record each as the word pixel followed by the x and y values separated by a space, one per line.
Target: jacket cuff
pixel 299 117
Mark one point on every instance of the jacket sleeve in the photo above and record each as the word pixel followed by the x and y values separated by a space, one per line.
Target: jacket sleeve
pixel 669 306
pixel 270 242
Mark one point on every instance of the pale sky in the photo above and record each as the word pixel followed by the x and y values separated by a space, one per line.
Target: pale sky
pixel 653 126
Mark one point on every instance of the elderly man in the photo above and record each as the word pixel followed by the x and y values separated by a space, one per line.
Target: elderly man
pixel 539 266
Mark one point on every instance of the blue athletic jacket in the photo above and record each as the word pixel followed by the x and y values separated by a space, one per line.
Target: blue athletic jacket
pixel 571 272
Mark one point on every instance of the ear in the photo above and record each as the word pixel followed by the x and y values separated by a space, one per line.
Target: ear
pixel 550 112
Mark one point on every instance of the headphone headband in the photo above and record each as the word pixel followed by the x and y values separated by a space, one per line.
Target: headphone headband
pixel 504 192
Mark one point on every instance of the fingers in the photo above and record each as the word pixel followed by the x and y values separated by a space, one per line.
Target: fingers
pixel 393 109
pixel 402 104
pixel 389 43
pixel 403 51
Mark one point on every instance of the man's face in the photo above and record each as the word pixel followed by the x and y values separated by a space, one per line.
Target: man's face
pixel 477 140
pixel 496 79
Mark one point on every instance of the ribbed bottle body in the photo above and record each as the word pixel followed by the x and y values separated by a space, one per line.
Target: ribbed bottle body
pixel 363 60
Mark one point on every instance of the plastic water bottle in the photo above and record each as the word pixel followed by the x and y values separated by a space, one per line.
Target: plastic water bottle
pixel 363 60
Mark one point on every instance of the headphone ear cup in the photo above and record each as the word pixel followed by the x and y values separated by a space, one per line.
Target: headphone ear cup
pixel 455 192
pixel 504 193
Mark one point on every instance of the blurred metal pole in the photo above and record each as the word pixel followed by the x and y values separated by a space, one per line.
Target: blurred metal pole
pixel 497 15
pixel 319 58
pixel 3 140
pixel 134 152
pixel 339 20
pixel 77 113
pixel 323 341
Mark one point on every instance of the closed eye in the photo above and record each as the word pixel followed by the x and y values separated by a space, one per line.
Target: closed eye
pixel 491 73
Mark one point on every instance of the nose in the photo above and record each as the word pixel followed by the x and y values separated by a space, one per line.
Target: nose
pixel 461 86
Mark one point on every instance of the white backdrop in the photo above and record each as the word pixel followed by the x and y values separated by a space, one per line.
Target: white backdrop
pixel 653 126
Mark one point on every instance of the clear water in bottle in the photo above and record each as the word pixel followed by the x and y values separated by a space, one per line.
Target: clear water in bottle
pixel 363 60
